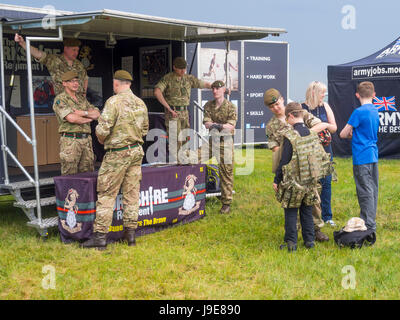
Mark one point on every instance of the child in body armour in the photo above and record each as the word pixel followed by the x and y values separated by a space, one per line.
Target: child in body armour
pixel 302 164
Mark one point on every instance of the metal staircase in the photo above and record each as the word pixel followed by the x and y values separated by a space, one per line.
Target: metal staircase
pixel 30 206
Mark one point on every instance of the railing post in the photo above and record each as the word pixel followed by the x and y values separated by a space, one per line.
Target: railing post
pixel 32 113
pixel 3 101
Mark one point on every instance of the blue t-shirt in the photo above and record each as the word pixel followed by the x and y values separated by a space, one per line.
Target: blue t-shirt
pixel 365 123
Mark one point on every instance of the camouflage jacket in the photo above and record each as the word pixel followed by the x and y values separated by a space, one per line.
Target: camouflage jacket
pixel 301 175
pixel 123 121
pixel 57 65
pixel 275 129
pixel 176 90
pixel 64 105
pixel 226 113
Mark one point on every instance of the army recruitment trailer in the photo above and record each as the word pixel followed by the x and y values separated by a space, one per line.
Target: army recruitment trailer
pixel 143 45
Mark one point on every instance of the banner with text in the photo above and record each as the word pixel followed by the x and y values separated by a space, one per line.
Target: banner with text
pixel 265 66
pixel 168 195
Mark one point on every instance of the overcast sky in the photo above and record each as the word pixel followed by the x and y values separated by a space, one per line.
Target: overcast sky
pixel 320 32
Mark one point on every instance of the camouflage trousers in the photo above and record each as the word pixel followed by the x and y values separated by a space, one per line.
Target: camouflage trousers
pixel 76 155
pixel 120 170
pixel 221 147
pixel 174 128
pixel 317 216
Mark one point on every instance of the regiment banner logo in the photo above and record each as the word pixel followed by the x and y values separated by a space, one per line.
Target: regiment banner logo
pixel 190 204
pixel 70 206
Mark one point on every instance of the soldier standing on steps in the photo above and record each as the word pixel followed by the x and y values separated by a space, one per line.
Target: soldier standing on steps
pixel 58 64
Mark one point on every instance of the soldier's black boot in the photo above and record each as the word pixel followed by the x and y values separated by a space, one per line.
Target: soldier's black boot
pixel 129 236
pixel 97 241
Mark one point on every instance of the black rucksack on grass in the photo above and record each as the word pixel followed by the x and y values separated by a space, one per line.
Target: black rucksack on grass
pixel 354 239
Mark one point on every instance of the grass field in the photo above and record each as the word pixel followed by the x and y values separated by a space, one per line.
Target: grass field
pixel 232 256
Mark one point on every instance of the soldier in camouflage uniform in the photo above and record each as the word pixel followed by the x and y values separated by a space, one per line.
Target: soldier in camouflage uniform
pixel 220 118
pixel 274 131
pixel 58 64
pixel 173 92
pixel 122 125
pixel 74 114
pixel 304 162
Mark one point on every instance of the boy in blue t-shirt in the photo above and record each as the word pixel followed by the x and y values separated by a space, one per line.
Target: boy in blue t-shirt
pixel 363 127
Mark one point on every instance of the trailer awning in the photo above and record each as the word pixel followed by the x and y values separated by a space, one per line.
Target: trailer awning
pixel 123 25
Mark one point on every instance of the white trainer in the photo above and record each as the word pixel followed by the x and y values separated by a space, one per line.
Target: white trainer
pixel 331 223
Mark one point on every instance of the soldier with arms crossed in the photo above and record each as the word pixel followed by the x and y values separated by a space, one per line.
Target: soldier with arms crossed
pixel 74 114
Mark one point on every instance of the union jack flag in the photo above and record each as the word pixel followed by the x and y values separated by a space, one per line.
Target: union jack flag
pixel 385 103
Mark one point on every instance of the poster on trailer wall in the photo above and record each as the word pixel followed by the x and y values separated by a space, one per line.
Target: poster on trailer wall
pixel 154 64
pixel 92 55
pixel 265 67
pixel 213 66
pixel 207 61
pixel 254 67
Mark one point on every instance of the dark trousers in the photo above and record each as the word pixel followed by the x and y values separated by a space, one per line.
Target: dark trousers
pixel 366 177
pixel 306 221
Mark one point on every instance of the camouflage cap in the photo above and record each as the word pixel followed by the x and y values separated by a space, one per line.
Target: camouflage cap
pixel 180 63
pixel 355 224
pixel 271 96
pixel 123 75
pixel 292 107
pixel 69 75
pixel 72 42
pixel 218 84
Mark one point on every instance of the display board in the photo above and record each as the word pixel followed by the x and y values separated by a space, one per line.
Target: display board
pixel 254 67
pixel 265 66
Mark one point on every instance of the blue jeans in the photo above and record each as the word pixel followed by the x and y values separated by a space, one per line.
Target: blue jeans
pixel 326 196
